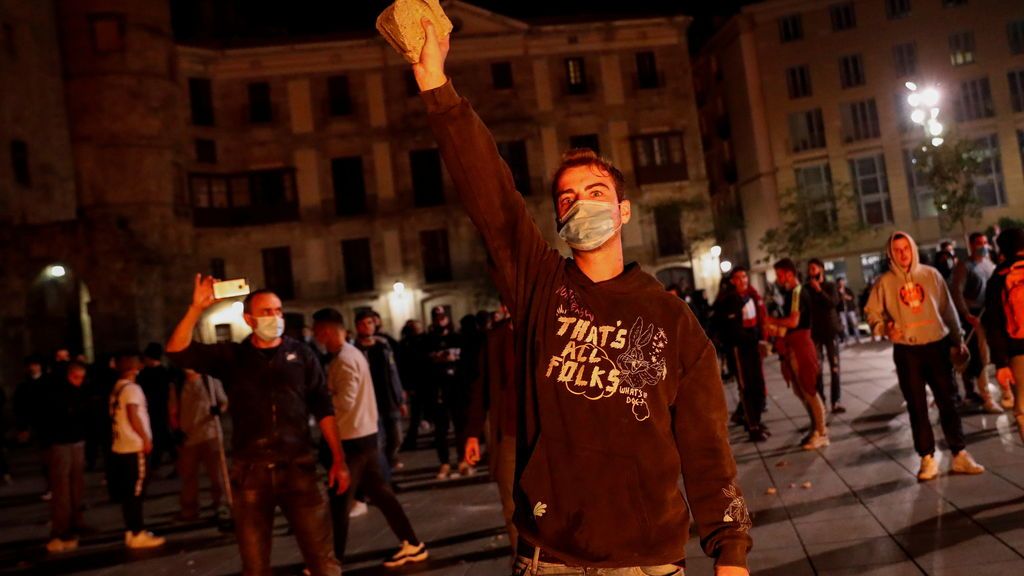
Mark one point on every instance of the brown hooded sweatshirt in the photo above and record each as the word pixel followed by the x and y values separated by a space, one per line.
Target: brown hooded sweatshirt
pixel 619 388
pixel 917 300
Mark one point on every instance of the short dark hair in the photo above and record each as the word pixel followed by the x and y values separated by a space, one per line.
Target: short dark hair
pixel 577 157
pixel 153 351
pixel 328 316
pixel 974 236
pixel 1011 242
pixel 247 303
pixel 817 262
pixel 942 246
pixel 736 270
pixel 364 314
pixel 785 264
pixel 76 365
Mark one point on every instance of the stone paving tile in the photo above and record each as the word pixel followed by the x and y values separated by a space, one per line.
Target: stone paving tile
pixel 863 513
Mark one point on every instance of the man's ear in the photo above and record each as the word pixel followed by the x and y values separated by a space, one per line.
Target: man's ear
pixel 626 211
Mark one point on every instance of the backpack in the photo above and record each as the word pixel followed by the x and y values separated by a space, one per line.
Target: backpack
pixel 1013 301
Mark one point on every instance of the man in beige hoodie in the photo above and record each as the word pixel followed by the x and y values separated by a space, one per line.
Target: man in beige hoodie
pixel 912 305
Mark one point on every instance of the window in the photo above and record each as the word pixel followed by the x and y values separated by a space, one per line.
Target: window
pixel 806 130
pixel 814 187
pixel 1016 80
pixel 859 120
pixel 218 268
pixel 107 33
pixel 200 95
pixel 872 187
pixel 427 183
pixel 798 81
pixel 575 76
pixel 646 70
pixel 339 99
pixel 206 151
pixel 501 75
pixel 1015 35
pixel 669 229
pixel 844 17
pixel 974 100
pixel 358 265
pixel 277 272
pixel 437 262
pixel 349 186
pixel 659 158
pixel 19 163
pixel 244 198
pixel 904 58
pixel 223 333
pixel 895 9
pixel 851 71
pixel 988 186
pixel 953 3
pixel 586 141
pixel 922 199
pixel 514 153
pixel 791 28
pixel 961 48
pixel 1020 144
pixel 260 110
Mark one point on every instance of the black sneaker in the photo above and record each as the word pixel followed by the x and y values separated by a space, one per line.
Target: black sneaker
pixel 838 408
pixel 758 435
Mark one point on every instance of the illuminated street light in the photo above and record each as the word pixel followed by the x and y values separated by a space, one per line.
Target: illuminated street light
pixel 937 141
pixel 725 266
pixel 911 86
pixel 56 271
pixel 716 251
pixel 917 116
pixel 934 127
pixel 930 97
pixel 398 288
pixel 925 112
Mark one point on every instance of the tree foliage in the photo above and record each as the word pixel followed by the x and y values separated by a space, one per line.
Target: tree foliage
pixel 951 170
pixel 812 223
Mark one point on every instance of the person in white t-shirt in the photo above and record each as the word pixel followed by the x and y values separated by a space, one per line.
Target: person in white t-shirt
pixel 133 441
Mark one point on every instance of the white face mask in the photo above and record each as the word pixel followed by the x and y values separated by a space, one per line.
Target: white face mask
pixel 589 224
pixel 269 328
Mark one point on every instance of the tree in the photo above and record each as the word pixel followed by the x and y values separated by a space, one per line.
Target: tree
pixel 811 222
pixel 951 170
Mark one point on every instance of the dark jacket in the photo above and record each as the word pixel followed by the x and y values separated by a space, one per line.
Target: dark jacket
pixel 1001 346
pixel 618 388
pixel 272 395
pixel 824 317
pixel 387 385
pixel 492 392
pixel 732 326
pixel 67 413
pixel 29 405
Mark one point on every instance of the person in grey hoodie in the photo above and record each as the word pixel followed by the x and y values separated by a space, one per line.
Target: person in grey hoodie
pixel 912 305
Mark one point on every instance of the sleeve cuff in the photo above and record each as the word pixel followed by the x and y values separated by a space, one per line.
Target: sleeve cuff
pixel 441 99
pixel 733 554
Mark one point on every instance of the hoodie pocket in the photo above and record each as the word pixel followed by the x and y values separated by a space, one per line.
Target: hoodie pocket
pixel 584 502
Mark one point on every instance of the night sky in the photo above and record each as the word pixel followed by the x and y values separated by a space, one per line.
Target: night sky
pixel 247 22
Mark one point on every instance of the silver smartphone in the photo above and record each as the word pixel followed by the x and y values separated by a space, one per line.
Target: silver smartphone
pixel 230 288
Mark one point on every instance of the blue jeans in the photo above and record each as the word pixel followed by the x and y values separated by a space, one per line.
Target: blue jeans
pixel 524 565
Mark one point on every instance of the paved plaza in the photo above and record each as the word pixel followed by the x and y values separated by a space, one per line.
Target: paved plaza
pixel 852 508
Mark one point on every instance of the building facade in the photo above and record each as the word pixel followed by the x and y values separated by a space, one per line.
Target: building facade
pixel 815 95
pixel 309 168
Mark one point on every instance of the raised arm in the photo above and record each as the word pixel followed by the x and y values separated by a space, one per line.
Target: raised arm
pixel 482 179
pixel 202 298
pixel 208 359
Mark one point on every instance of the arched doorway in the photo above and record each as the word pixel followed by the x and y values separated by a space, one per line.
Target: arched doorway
pixel 57 313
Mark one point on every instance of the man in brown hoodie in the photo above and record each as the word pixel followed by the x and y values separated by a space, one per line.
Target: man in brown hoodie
pixel 618 387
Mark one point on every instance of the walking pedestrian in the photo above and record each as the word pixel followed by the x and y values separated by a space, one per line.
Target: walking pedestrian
pixel 912 305
pixel 847 309
pixel 201 402
pixel 1004 320
pixel 800 365
pixel 825 328
pixel 132 444
pixel 352 390
pixel 443 348
pixel 739 320
pixel 67 421
pixel 618 387
pixel 275 384
pixel 970 278
pixel 493 400
pixel 387 385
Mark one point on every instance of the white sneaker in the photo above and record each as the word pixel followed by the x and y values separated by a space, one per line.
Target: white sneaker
pixel 465 470
pixel 144 539
pixel 444 472
pixel 358 509
pixel 929 468
pixel 408 553
pixel 963 463
pixel 991 407
pixel 816 441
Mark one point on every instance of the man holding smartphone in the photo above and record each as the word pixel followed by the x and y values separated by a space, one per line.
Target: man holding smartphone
pixel 275 383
